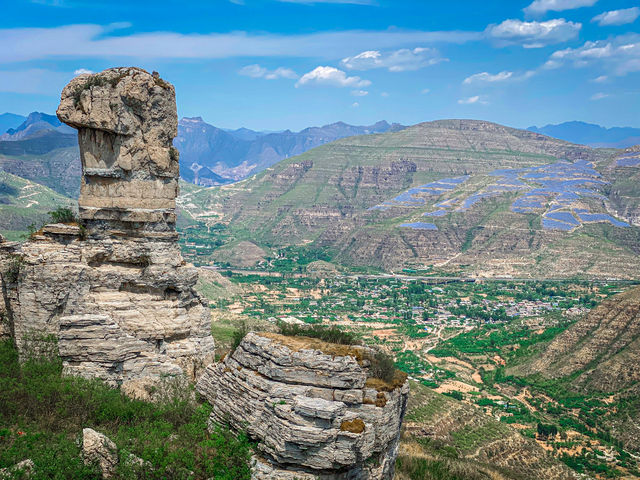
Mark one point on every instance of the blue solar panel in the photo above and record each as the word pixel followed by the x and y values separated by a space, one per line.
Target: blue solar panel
pixel 420 226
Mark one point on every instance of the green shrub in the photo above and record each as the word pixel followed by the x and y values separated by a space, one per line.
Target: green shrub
pixel 382 367
pixel 12 270
pixel 63 215
pixel 238 335
pixel 331 334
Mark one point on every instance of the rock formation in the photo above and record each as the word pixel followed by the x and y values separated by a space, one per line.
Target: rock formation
pixel 114 290
pixel 314 408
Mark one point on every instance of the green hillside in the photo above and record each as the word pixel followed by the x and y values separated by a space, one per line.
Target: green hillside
pixel 23 203
pixel 57 168
pixel 468 197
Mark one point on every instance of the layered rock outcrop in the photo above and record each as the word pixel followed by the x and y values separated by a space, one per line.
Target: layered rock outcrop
pixel 114 290
pixel 314 408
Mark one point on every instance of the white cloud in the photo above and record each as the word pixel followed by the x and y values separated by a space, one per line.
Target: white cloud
pixel 533 34
pixel 355 105
pixel 477 99
pixel 600 79
pixel 617 17
pixel 82 71
pixel 538 7
pixel 487 77
pixel 359 93
pixel 425 91
pixel 599 96
pixel 95 41
pixel 401 60
pixel 504 76
pixel 332 77
pixel 619 55
pixel 256 71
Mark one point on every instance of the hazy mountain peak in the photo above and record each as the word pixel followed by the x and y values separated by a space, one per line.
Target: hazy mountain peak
pixel 591 134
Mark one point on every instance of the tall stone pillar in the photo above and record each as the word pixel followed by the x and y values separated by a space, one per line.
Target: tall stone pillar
pixel 113 290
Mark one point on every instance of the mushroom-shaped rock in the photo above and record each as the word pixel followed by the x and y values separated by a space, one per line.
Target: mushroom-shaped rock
pixel 126 120
pixel 314 407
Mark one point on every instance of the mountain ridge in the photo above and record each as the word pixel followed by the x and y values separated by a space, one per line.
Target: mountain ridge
pixel 591 134
pixel 447 193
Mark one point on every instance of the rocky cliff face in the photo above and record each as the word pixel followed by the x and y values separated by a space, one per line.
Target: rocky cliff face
pixel 313 407
pixel 114 291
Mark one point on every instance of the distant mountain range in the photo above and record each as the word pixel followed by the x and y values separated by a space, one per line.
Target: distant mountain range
pixel 213 156
pixel 209 155
pixel 10 120
pixel 591 134
pixel 470 196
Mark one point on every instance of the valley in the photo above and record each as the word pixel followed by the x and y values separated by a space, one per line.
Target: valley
pixel 466 347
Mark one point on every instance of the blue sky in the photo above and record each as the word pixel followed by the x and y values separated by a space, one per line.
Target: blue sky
pixel 277 64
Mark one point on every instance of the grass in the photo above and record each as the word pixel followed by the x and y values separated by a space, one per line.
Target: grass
pixel 42 414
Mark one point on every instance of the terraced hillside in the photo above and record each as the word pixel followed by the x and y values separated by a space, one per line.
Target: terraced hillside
pixel 468 443
pixel 23 203
pixel 467 197
pixel 598 357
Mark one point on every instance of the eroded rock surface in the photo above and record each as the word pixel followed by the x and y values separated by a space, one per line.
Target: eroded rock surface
pixel 312 406
pixel 114 291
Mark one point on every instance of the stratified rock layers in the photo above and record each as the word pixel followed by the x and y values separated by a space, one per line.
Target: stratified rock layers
pixel 115 293
pixel 126 121
pixel 312 407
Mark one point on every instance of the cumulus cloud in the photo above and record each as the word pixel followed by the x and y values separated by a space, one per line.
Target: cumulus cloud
pixel 600 79
pixel 533 34
pixel 538 7
pixel 617 17
pixel 619 55
pixel 332 77
pixel 82 71
pixel 96 41
pixel 477 99
pixel 599 96
pixel 359 93
pixel 256 71
pixel 401 60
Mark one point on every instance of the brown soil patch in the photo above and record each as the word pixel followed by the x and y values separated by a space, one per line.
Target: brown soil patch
pixel 298 343
pixel 455 385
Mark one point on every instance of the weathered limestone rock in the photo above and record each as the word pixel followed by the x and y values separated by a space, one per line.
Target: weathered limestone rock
pixel 114 291
pixel 100 449
pixel 312 406
pixel 23 469
pixel 126 121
